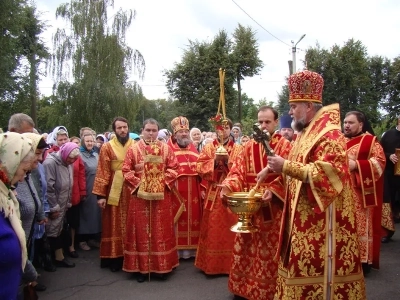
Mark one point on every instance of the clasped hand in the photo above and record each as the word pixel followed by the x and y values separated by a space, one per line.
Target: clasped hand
pixel 393 158
pixel 221 159
pixel 275 163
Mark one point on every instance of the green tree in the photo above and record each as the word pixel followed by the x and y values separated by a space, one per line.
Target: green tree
pixel 351 78
pixel 392 102
pixel 20 43
pixel 249 112
pixel 283 100
pixel 194 82
pixel 34 49
pixel 245 58
pixel 163 110
pixel 51 113
pixel 11 22
pixel 101 62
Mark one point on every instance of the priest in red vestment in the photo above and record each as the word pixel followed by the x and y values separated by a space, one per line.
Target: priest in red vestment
pixel 367 164
pixel 318 241
pixel 186 194
pixel 214 252
pixel 150 170
pixel 111 195
pixel 254 269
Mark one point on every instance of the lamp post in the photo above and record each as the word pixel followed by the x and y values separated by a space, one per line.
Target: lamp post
pixel 294 52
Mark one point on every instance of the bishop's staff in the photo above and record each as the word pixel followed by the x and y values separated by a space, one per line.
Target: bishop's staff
pixel 220 121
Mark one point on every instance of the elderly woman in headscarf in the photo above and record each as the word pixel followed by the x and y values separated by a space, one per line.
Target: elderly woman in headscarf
pixel 237 134
pixel 197 138
pixel 16 156
pixel 90 212
pixel 52 136
pixel 30 205
pixel 59 175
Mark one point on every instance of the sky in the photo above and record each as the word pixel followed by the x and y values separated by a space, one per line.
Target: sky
pixel 162 29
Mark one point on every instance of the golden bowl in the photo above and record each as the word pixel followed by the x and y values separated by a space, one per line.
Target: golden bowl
pixel 244 207
pixel 221 151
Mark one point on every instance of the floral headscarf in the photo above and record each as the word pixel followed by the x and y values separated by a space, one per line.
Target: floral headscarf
pixel 34 137
pixel 13 148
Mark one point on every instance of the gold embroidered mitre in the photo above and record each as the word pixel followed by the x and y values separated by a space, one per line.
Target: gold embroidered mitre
pixel 179 123
pixel 305 86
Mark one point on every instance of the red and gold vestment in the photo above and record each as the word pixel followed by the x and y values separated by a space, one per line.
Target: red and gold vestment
pixel 189 188
pixel 214 252
pixel 150 245
pixel 254 268
pixel 318 242
pixel 367 181
pixel 113 216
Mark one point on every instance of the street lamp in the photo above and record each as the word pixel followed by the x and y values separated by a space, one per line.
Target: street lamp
pixel 294 52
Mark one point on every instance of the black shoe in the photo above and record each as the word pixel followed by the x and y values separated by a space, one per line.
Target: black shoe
pixel 116 264
pixel 73 254
pixel 105 263
pixel 236 297
pixel 141 277
pixel 115 268
pixel 366 268
pixel 385 240
pixel 40 287
pixel 64 263
pixel 49 267
pixel 163 276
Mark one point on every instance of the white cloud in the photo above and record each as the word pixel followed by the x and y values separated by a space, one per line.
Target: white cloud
pixel 162 29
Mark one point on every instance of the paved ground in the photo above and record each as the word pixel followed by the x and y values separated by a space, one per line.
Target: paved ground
pixel 87 281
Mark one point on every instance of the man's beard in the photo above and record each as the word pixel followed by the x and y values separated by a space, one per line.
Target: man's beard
pixel 122 139
pixel 348 135
pixel 183 143
pixel 351 135
pixel 286 135
pixel 298 125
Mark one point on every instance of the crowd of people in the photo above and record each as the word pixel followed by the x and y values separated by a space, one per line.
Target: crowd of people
pixel 149 199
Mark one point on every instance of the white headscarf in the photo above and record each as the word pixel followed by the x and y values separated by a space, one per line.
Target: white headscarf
pixel 52 137
pixel 193 130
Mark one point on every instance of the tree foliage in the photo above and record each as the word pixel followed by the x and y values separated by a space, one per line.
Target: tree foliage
pixel 351 78
pixel 195 80
pixel 95 56
pixel 392 101
pixel 283 98
pixel 21 53
pixel 11 22
pixel 34 49
pixel 245 58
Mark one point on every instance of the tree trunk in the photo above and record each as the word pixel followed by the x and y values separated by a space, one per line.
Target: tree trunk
pixel 239 99
pixel 33 88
